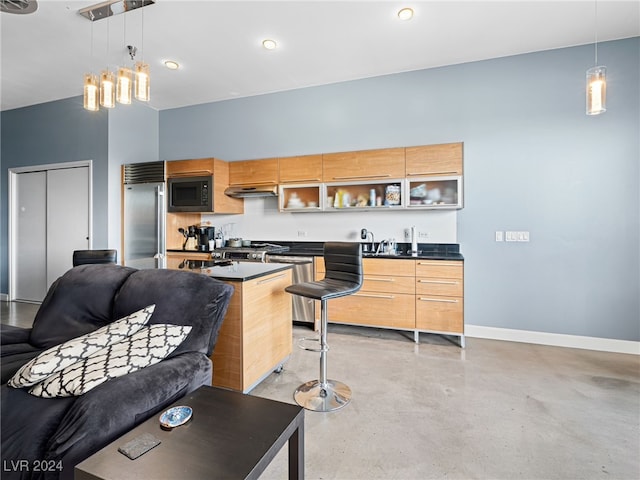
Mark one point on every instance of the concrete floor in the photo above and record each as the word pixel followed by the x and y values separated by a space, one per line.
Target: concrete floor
pixel 495 410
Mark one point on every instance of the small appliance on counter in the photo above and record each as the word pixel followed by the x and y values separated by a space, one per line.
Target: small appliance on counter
pixel 205 235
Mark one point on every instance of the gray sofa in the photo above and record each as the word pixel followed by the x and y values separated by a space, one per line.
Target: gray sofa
pixel 58 433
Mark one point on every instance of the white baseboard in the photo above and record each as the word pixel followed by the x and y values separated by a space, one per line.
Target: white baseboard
pixel 4 297
pixel 554 339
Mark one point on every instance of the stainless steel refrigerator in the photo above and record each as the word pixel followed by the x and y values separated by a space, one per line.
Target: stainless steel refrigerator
pixel 144 212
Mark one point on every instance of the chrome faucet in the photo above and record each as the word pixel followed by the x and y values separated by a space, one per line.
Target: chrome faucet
pixel 364 235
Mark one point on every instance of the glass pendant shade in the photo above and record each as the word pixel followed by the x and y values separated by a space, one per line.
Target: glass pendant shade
pixel 107 89
pixel 91 92
pixel 596 90
pixel 123 86
pixel 142 81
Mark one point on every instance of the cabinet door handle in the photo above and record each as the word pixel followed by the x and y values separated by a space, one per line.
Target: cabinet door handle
pixel 190 173
pixel 254 183
pixel 431 173
pixel 267 280
pixel 380 279
pixel 390 297
pixel 439 282
pixel 441 300
pixel 363 176
pixel 304 180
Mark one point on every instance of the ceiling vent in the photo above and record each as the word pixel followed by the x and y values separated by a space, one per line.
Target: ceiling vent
pixel 19 7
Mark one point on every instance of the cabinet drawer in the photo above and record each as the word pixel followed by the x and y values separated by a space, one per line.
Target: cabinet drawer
pixel 439 286
pixel 441 314
pixel 378 309
pixel 388 284
pixel 379 266
pixel 439 269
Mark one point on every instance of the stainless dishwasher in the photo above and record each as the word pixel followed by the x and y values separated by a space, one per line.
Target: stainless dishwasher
pixel 304 309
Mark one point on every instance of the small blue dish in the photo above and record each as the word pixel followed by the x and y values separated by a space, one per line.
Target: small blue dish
pixel 176 416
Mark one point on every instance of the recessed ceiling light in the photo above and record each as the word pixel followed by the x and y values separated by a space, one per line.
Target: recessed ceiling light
pixel 269 44
pixel 171 65
pixel 405 13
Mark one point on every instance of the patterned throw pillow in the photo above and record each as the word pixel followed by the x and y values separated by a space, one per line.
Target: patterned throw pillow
pixel 56 358
pixel 146 347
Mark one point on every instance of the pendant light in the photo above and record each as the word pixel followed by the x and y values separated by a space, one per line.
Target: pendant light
pixel 91 98
pixel 596 80
pixel 108 88
pixel 142 71
pixel 123 81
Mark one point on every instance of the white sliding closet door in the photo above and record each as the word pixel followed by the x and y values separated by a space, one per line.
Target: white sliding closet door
pixel 31 235
pixel 52 220
pixel 67 218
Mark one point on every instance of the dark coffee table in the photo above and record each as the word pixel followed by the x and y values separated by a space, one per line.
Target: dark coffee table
pixel 231 435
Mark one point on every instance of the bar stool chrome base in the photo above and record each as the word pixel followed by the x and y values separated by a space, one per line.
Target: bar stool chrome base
pixel 314 396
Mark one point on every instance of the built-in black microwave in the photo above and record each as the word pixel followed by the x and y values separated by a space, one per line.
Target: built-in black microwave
pixel 190 194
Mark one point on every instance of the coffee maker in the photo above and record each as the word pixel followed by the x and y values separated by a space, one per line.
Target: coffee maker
pixel 204 235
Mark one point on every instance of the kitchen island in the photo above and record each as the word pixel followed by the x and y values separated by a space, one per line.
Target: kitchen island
pixel 256 335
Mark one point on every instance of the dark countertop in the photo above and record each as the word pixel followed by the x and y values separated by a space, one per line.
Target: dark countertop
pixel 431 251
pixel 228 271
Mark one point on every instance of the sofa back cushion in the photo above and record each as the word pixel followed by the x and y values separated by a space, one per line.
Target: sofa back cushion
pixel 181 298
pixel 77 303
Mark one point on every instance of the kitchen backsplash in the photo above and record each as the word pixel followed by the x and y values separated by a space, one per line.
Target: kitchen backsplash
pixel 263 220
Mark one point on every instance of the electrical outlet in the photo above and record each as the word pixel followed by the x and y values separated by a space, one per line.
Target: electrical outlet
pixel 423 235
pixel 407 234
pixel 302 233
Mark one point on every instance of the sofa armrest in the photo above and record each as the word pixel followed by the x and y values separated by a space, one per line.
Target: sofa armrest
pixel 110 410
pixel 10 334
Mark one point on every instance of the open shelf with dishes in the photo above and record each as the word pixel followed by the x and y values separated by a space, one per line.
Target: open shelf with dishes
pixel 435 192
pixel 365 195
pixel 300 198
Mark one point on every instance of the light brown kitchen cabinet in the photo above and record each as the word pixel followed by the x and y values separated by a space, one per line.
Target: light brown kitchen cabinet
pixel 379 164
pixel 254 172
pixel 404 294
pixel 386 299
pixel 439 296
pixel 219 169
pixel 442 159
pixel 301 169
pixel 255 337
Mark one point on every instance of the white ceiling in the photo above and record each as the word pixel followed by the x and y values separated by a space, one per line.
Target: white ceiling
pixel 218 43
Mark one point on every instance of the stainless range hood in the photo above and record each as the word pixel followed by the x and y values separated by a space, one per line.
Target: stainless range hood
pixel 246 191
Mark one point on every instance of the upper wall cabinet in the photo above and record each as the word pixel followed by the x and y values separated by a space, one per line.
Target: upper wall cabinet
pixel 219 170
pixel 303 169
pixel 443 159
pixel 381 164
pixel 254 172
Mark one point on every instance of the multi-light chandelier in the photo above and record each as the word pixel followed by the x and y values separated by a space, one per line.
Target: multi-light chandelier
pixel 109 87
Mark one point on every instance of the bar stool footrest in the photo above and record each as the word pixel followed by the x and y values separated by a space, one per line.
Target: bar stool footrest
pixel 311 349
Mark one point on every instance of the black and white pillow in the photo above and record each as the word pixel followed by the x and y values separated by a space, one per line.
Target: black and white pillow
pixel 146 347
pixel 61 356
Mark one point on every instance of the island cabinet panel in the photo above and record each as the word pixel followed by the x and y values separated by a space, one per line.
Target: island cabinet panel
pixel 302 169
pixel 443 159
pixel 254 172
pixel 380 164
pixel 256 333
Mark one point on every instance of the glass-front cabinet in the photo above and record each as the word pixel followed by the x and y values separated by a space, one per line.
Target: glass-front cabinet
pixel 367 195
pixel 300 197
pixel 434 192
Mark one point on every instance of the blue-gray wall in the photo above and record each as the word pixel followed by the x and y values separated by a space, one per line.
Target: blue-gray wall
pixel 54 132
pixel 533 161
